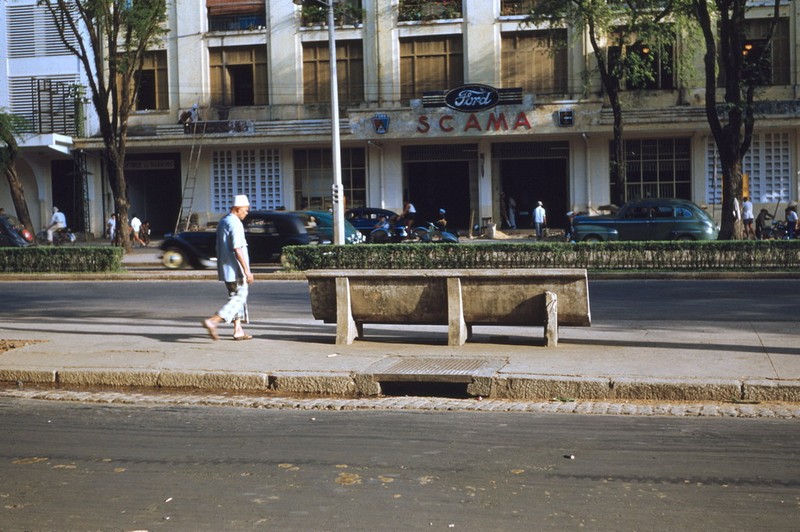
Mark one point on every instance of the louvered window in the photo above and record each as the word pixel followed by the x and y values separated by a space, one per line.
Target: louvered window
pixel 47 103
pixel 32 33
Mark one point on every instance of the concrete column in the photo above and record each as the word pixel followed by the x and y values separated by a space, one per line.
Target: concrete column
pixel 346 329
pixel 481 42
pixel 457 327
pixel 551 319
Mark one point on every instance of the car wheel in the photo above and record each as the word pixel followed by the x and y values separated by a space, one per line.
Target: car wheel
pixel 174 259
pixel 592 239
pixel 379 237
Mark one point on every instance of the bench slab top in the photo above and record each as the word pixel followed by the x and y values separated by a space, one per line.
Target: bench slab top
pixel 505 273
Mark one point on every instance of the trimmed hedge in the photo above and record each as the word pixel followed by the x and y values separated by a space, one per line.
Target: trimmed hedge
pixel 59 259
pixel 607 256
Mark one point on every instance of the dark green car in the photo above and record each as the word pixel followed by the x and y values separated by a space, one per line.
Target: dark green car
pixel 651 219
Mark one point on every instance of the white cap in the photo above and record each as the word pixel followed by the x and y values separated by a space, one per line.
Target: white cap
pixel 241 201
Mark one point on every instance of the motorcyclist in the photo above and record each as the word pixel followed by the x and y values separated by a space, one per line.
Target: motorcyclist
pixel 382 223
pixel 441 223
pixel 57 222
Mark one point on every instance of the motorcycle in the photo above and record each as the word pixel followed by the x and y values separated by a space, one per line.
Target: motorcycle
pixel 776 231
pixel 434 233
pixel 393 234
pixel 60 237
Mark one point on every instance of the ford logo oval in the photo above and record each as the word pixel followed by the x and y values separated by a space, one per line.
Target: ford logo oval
pixel 470 98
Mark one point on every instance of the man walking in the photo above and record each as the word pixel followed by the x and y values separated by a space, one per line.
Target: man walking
pixel 233 268
pixel 539 220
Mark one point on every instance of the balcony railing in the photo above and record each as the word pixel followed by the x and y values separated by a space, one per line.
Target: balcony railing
pixel 345 13
pixel 425 10
pixel 237 22
pixel 515 7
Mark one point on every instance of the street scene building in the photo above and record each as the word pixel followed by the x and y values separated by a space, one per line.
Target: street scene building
pixel 444 103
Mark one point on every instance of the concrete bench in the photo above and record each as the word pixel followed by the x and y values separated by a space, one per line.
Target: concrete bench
pixel 457 298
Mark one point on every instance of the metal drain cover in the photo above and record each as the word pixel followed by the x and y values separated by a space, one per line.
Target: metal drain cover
pixel 433 369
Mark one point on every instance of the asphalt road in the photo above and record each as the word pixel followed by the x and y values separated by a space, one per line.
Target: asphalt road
pixel 94 467
pixel 636 300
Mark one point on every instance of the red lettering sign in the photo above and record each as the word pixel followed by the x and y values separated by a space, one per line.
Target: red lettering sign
pixel 423 126
pixel 446 128
pixel 522 121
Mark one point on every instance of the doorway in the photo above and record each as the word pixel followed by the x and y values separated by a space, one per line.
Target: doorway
pixel 434 185
pixel 531 180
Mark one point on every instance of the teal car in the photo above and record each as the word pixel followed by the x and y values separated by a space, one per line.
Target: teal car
pixel 319 224
pixel 650 219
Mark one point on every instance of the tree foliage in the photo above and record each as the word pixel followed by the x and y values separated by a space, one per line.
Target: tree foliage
pixel 11 126
pixel 636 29
pixel 110 38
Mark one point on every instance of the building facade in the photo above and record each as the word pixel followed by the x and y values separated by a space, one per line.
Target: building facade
pixel 444 103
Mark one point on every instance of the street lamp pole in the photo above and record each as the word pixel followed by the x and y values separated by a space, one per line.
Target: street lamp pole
pixel 337 191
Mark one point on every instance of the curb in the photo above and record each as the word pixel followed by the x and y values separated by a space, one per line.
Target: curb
pixel 346 384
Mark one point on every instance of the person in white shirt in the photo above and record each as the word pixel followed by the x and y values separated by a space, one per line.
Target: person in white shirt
pixel 58 221
pixel 748 218
pixel 539 219
pixel 136 226
pixel 111 227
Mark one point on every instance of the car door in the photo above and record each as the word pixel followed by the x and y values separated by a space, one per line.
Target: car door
pixel 634 223
pixel 662 222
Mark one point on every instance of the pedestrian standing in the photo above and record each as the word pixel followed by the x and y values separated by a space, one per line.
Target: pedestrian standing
pixel 539 219
pixel 233 268
pixel 748 218
pixel 791 222
pixel 504 221
pixel 111 227
pixel 512 212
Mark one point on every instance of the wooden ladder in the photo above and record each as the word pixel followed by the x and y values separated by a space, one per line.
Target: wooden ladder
pixel 187 200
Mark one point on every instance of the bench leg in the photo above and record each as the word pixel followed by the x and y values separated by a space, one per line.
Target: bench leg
pixel 346 328
pixel 457 328
pixel 551 319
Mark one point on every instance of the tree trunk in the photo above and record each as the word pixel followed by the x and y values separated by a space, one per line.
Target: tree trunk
pixel 116 178
pixel 18 195
pixel 618 174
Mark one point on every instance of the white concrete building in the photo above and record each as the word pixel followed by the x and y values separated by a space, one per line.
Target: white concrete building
pixel 258 71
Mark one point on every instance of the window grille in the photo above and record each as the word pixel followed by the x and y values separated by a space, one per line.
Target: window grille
pixel 252 172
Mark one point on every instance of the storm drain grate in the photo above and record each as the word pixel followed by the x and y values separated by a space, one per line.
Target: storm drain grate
pixel 433 369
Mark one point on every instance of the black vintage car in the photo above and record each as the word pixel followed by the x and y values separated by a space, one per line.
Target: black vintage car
pixel 13 233
pixel 267 233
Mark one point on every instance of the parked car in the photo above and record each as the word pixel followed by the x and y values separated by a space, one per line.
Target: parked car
pixel 13 233
pixel 651 219
pixel 268 232
pixel 320 225
pixel 365 218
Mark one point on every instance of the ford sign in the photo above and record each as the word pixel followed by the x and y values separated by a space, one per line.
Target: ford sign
pixel 471 98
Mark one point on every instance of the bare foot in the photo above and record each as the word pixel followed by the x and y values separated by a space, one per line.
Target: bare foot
pixel 211 327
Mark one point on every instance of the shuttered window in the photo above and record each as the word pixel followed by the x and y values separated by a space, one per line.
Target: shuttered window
pixel 317 73
pixel 430 64
pixel 536 61
pixel 239 75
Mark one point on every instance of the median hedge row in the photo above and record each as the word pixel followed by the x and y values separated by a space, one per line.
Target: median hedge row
pixel 51 259
pixel 607 256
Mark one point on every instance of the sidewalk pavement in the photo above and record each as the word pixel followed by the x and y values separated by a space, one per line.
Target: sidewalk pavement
pixel 612 360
